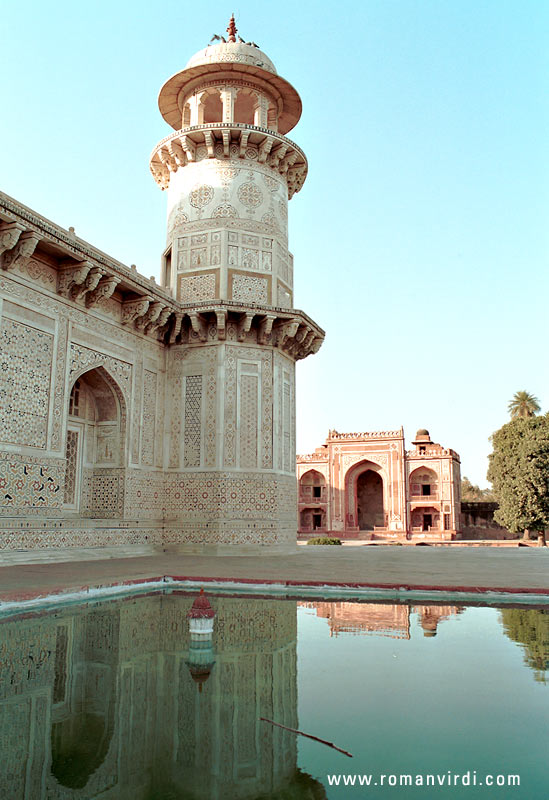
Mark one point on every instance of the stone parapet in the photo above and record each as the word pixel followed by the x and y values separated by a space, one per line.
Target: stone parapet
pixel 336 436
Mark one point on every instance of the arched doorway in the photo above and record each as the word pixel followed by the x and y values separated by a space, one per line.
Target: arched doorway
pixel 95 445
pixel 365 499
pixel 369 500
pixel 312 519
pixel 426 518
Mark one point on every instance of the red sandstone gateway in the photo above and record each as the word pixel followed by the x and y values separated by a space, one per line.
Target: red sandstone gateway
pixel 367 485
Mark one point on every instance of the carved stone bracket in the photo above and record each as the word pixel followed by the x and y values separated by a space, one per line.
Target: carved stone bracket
pixel 88 285
pixel 151 315
pixel 73 274
pixel 199 325
pixel 285 331
pixel 254 143
pixel 316 345
pixel 176 330
pixel 221 315
pixel 160 321
pixel 9 234
pixel 103 291
pixel 292 332
pixel 21 253
pixel 244 326
pixel 265 328
pixel 133 309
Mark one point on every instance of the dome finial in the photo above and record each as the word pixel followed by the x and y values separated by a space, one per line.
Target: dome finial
pixel 232 29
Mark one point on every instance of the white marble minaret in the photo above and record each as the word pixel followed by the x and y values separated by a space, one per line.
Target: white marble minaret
pixel 229 171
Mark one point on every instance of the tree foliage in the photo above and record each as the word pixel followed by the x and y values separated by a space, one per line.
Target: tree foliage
pixel 530 628
pixel 470 493
pixel 519 473
pixel 523 405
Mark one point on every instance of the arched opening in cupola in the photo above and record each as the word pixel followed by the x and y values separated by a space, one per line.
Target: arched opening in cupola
pixel 244 107
pixel 186 119
pixel 272 117
pixel 211 107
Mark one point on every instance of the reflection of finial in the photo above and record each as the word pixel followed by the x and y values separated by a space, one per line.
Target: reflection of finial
pixel 231 30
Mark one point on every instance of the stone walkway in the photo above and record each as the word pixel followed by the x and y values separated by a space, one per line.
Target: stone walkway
pixel 477 569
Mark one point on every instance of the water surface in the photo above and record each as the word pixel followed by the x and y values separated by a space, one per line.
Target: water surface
pixel 118 700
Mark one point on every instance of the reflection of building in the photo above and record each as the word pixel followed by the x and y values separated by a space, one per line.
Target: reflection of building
pixel 103 702
pixel 381 619
pixel 140 416
pixel 358 482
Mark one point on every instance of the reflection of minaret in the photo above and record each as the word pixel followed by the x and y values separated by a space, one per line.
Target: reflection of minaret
pixel 110 690
pixel 201 653
pixel 430 616
pixel 223 749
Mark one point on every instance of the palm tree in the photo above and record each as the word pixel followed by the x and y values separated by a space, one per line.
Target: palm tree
pixel 523 405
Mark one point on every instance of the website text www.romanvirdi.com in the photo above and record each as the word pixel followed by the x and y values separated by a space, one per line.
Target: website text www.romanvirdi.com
pixel 448 779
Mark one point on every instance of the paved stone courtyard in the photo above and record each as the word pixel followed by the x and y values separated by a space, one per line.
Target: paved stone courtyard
pixel 479 569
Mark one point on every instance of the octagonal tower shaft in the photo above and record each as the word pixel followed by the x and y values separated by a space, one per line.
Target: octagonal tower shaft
pixel 229 171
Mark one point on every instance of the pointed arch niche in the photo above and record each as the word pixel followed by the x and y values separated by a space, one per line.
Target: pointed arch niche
pixel 312 487
pixel 95 446
pixel 365 499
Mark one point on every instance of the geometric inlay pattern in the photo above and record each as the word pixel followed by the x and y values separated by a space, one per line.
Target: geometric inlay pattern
pixel 288 455
pixel 29 484
pixel 250 290
pixel 248 421
pixel 25 375
pixel 197 287
pixel 193 420
pixel 149 417
pixel 71 469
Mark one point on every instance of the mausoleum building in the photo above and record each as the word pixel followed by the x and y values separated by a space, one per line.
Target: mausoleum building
pixel 138 416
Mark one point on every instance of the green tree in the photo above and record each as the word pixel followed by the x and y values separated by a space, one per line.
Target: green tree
pixel 471 493
pixel 523 405
pixel 519 474
pixel 530 628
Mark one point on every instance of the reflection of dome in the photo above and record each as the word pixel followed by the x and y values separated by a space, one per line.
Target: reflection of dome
pixel 201 608
pixel 201 617
pixel 429 624
pixel 201 654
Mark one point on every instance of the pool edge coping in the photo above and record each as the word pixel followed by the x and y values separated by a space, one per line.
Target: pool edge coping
pixel 21 601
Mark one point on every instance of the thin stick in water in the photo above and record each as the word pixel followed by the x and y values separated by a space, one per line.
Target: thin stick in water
pixel 308 735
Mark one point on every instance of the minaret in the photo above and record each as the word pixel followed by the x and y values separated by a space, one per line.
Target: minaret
pixel 229 171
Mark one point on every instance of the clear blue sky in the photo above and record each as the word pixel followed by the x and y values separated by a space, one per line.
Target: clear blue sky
pixel 420 237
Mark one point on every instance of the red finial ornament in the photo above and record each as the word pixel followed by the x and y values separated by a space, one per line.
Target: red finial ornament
pixel 201 608
pixel 231 30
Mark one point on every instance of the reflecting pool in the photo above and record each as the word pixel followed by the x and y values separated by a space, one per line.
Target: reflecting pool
pixel 176 695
